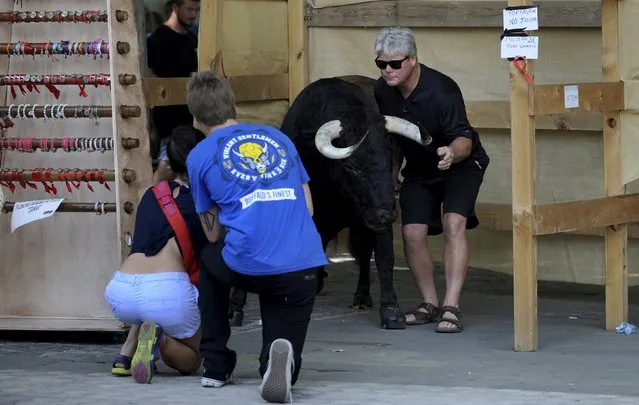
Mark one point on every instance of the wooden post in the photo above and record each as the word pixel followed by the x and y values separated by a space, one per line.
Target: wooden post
pixel 297 48
pixel 616 237
pixel 523 189
pixel 122 29
pixel 209 33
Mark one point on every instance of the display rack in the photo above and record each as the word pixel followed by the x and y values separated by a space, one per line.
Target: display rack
pixel 46 286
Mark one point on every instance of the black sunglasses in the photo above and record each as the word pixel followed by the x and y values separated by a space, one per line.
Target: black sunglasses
pixel 394 64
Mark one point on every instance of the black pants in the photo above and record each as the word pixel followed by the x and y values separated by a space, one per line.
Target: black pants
pixel 238 299
pixel 286 304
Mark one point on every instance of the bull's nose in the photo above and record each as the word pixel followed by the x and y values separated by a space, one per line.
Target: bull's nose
pixel 386 216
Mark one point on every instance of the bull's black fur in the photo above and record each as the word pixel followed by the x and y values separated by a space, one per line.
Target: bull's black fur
pixel 356 192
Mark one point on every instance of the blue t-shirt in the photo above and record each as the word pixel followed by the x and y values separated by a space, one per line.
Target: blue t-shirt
pixel 254 175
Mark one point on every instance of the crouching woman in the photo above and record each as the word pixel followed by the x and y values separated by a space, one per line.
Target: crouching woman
pixel 152 288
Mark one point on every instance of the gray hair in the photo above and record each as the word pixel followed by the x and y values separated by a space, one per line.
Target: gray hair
pixel 395 41
pixel 210 98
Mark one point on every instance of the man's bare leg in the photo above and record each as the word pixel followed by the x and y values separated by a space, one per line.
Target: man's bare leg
pixel 420 263
pixel 455 263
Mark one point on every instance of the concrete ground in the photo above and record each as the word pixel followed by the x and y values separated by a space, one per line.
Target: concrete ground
pixel 348 359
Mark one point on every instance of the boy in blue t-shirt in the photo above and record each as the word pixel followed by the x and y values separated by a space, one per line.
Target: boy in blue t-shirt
pixel 250 190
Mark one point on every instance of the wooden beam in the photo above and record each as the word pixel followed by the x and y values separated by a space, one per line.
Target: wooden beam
pixel 523 186
pixel 496 114
pixel 575 215
pixel 463 14
pixel 138 160
pixel 172 91
pixel 616 239
pixel 549 98
pixel 297 48
pixel 482 114
pixel 499 217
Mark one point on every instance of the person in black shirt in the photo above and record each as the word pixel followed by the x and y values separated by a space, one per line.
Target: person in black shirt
pixel 449 171
pixel 172 52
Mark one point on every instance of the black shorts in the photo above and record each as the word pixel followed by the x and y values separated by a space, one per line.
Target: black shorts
pixel 421 199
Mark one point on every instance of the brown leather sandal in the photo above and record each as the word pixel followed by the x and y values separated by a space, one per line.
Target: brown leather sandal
pixel 421 317
pixel 457 322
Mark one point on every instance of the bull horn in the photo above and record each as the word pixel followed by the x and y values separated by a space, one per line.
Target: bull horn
pixel 407 129
pixel 324 141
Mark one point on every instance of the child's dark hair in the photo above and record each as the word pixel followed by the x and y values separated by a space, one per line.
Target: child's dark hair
pixel 183 139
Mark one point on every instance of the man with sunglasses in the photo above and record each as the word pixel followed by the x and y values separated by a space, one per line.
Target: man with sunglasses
pixel 449 171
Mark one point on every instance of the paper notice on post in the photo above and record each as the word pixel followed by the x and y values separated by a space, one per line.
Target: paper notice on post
pixel 29 211
pixel 571 96
pixel 521 18
pixel 527 47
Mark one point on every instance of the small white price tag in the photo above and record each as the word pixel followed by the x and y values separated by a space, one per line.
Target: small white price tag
pixel 571 96
pixel 522 18
pixel 512 47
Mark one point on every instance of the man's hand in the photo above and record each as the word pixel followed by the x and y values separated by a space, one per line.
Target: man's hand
pixel 447 157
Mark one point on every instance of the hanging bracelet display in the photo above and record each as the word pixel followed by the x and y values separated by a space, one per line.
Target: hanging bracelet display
pixel 72 177
pixel 28 144
pixel 98 207
pixel 55 111
pixel 31 82
pixel 21 48
pixel 76 16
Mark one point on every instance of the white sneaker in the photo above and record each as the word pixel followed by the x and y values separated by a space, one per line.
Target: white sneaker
pixel 276 384
pixel 213 383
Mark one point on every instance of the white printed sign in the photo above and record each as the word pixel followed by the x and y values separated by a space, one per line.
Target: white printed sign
pixel 512 47
pixel 571 96
pixel 521 19
pixel 278 194
pixel 29 211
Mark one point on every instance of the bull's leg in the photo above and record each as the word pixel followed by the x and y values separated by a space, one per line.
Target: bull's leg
pixel 361 244
pixel 391 315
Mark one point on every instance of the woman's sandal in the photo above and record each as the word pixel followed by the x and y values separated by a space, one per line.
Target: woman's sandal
pixel 121 366
pixel 421 317
pixel 457 322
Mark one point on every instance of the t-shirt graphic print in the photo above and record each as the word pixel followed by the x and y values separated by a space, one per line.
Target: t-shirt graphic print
pixel 254 175
pixel 248 158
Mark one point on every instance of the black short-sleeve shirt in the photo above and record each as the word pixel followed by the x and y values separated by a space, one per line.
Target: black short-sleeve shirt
pixel 171 54
pixel 437 107
pixel 152 230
